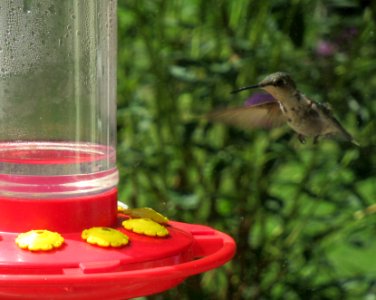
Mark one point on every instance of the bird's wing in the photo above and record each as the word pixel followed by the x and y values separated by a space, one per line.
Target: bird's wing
pixel 259 99
pixel 266 116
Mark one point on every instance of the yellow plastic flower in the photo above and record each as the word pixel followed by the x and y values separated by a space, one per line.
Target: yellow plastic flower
pixel 146 213
pixel 104 237
pixel 145 226
pixel 39 240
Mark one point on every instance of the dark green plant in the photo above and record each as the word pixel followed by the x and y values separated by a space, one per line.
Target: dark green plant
pixel 302 215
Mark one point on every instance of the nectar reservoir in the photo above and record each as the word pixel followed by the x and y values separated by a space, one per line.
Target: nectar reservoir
pixel 57 114
pixel 57 98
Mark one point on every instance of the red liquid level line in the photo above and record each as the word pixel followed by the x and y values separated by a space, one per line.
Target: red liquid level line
pixel 52 153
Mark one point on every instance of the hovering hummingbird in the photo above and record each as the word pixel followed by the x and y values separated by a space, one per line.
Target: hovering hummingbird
pixel 285 104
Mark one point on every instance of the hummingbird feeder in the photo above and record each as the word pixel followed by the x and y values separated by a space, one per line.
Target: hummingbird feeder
pixel 62 234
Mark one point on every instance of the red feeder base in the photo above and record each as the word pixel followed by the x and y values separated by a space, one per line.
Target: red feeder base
pixel 81 271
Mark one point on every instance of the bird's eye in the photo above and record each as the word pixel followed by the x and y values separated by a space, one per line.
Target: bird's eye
pixel 279 82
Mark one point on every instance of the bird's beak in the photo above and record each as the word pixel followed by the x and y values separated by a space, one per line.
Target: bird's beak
pixel 256 86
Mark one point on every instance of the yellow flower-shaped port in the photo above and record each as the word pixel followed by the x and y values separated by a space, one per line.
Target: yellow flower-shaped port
pixel 145 213
pixel 39 240
pixel 104 237
pixel 145 226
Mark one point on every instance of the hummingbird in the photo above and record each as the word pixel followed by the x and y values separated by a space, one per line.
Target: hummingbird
pixel 284 104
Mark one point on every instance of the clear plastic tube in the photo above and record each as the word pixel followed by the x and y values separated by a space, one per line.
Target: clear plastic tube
pixel 57 98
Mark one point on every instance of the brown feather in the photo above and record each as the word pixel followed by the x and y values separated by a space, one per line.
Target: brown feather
pixel 265 116
pixel 339 130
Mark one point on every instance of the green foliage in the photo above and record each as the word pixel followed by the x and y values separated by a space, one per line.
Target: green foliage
pixel 302 215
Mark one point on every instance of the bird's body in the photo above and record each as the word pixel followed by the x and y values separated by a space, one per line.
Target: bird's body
pixel 287 105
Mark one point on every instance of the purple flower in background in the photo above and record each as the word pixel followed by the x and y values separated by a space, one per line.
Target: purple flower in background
pixel 325 48
pixel 259 98
pixel 341 41
pixel 349 33
pixel 346 38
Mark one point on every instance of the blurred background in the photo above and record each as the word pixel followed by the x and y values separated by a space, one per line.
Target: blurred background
pixel 303 215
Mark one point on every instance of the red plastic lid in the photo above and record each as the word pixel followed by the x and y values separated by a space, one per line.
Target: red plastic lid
pixel 82 271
